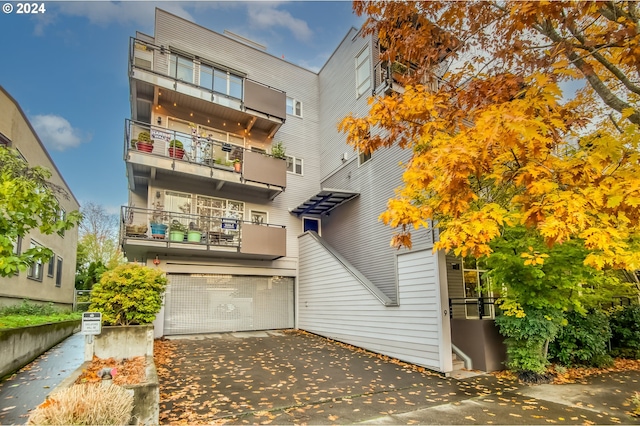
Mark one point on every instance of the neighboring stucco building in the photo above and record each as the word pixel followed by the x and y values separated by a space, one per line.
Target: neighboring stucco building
pixel 280 243
pixel 53 281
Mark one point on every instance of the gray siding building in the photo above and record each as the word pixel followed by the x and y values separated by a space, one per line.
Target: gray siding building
pixel 252 239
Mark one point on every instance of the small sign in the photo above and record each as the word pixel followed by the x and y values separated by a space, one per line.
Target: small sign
pixel 91 323
pixel 229 224
pixel 159 135
pixel 226 147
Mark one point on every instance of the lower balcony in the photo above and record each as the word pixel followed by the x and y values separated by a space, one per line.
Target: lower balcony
pixel 144 232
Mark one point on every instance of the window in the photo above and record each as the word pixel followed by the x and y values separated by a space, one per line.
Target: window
pixel 259 218
pixel 221 81
pixel 294 165
pixel 294 107
pixel 59 273
pixel 17 247
pixel 181 68
pixel 363 158
pixel 4 141
pixel 363 72
pixel 35 270
pixel 311 224
pixel 51 266
pixel 476 286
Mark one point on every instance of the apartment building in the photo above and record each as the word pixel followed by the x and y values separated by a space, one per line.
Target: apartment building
pixel 255 239
pixel 53 281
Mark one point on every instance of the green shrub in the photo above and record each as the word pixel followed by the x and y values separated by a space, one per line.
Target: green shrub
pixel 625 327
pixel 583 340
pixel 527 338
pixel 627 353
pixel 28 308
pixel 129 294
pixel 144 137
pixel 176 144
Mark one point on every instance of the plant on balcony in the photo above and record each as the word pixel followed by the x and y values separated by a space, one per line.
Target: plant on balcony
pixel 237 165
pixel 132 230
pixel 158 219
pixel 278 150
pixel 176 149
pixel 177 230
pixel 145 144
pixel 194 234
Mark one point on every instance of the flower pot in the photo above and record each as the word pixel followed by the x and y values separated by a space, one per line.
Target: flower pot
pixel 176 153
pixel 144 147
pixel 237 167
pixel 176 235
pixel 158 231
pixel 194 236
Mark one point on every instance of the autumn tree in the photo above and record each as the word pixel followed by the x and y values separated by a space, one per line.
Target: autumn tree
pixel 496 144
pixel 28 201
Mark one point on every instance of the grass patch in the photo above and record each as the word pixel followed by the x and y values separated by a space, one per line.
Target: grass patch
pixel 29 314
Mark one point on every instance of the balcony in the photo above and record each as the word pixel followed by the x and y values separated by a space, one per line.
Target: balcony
pixel 205 159
pixel 145 233
pixel 392 77
pixel 255 105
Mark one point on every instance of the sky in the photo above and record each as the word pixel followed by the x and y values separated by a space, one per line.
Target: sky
pixel 67 68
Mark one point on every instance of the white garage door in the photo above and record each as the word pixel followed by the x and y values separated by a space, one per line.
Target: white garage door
pixel 221 303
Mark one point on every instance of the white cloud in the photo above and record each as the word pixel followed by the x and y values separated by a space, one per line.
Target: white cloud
pixel 103 13
pixel 267 16
pixel 56 132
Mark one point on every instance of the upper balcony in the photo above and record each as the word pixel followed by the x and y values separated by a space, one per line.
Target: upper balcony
pixel 145 232
pixel 392 77
pixel 206 159
pixel 203 86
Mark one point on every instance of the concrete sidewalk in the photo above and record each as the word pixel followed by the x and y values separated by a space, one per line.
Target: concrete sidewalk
pixel 295 378
pixel 28 388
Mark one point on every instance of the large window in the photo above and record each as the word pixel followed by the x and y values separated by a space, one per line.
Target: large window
pixel 221 81
pixel 363 72
pixel 294 165
pixel 294 107
pixel 181 68
pixel 35 270
pixel 475 286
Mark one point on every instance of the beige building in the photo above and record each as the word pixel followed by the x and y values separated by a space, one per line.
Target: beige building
pixel 52 281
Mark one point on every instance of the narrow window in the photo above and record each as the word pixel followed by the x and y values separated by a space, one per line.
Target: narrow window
pixel 294 107
pixel 51 266
pixel 35 270
pixel 59 273
pixel 363 72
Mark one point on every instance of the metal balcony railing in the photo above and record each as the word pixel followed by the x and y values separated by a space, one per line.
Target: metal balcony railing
pixel 480 307
pixel 159 225
pixel 205 151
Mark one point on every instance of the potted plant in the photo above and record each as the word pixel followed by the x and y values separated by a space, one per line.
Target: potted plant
pixel 398 70
pixel 177 231
pixel 237 165
pixel 145 144
pixel 132 230
pixel 278 151
pixel 158 217
pixel 176 149
pixel 194 234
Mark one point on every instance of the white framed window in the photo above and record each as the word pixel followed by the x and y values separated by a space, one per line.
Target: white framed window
pixel 259 217
pixel 59 272
pixel 35 270
pixel 475 286
pixel 294 165
pixel 181 68
pixel 294 107
pixel 363 72
pixel 363 158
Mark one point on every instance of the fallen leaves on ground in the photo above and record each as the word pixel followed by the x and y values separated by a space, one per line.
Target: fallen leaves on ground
pixel 129 371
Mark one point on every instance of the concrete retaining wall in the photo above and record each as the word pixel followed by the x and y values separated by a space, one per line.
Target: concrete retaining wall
pixel 121 342
pixel 19 346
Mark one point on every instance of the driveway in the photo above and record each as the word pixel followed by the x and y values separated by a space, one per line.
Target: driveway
pixel 298 378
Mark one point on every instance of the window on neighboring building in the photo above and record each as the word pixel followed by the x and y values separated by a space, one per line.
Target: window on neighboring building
pixel 59 273
pixel 17 247
pixel 294 165
pixel 181 68
pixel 259 217
pixel 294 107
pixel 35 270
pixel 363 72
pixel 51 266
pixel 4 141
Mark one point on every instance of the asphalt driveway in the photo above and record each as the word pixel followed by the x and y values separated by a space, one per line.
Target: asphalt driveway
pixel 299 378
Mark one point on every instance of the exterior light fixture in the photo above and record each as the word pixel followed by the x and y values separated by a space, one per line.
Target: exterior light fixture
pixel 159 121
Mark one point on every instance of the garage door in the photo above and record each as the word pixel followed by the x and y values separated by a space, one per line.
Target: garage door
pixel 221 303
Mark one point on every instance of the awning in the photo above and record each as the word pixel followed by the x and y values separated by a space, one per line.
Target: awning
pixel 323 202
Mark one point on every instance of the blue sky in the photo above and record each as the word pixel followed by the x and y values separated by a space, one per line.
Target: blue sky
pixel 67 68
